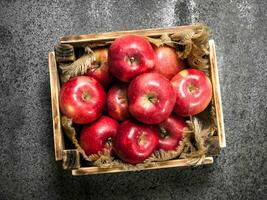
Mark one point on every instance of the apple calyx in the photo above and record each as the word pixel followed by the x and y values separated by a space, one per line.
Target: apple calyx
pixel 142 140
pixel 132 61
pixel 191 88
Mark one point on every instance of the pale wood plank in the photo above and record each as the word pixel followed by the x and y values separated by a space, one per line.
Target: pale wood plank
pixel 55 87
pixel 165 164
pixel 78 40
pixel 217 94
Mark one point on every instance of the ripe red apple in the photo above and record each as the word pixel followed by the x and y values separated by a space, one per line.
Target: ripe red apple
pixel 171 132
pixel 193 92
pixel 130 56
pixel 99 69
pixel 135 142
pixel 117 102
pixel 82 99
pixel 96 137
pixel 167 62
pixel 151 98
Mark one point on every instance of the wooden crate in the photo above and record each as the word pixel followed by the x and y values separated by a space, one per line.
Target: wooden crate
pixel 71 157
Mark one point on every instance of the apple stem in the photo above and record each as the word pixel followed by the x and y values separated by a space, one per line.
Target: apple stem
pixel 163 132
pixel 132 61
pixel 86 96
pixel 123 99
pixel 97 65
pixel 141 140
pixel 152 97
pixel 191 88
pixel 108 142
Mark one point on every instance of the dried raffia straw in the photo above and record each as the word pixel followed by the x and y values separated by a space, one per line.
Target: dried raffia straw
pixel 196 46
pixel 195 142
pixel 106 161
pixel 71 133
pixel 161 155
pixel 163 40
pixel 78 67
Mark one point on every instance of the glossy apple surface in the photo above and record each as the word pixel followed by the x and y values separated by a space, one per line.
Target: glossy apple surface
pixel 167 62
pixel 135 142
pixel 151 98
pixel 99 69
pixel 117 102
pixel 82 99
pixel 193 92
pixel 97 137
pixel 130 56
pixel 171 132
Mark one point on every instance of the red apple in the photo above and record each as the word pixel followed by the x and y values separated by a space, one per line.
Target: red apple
pixel 167 62
pixel 193 92
pixel 171 132
pixel 151 98
pixel 82 99
pixel 130 56
pixel 99 69
pixel 135 142
pixel 96 137
pixel 117 102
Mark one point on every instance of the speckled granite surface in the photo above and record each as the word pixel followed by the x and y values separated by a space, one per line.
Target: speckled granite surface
pixel 28 30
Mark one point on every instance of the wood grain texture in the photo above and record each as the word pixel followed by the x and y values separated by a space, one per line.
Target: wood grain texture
pixel 55 87
pixel 160 165
pixel 80 40
pixel 217 94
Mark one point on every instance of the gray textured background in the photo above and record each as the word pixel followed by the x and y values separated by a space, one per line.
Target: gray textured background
pixel 29 29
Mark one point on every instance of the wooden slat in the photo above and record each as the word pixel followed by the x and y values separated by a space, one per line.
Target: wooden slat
pixel 217 94
pixel 78 40
pixel 160 165
pixel 55 87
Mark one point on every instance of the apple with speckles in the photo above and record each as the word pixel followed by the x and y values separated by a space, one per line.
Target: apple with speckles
pixel 193 92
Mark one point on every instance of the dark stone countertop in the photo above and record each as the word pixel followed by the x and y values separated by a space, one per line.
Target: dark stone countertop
pixel 29 29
